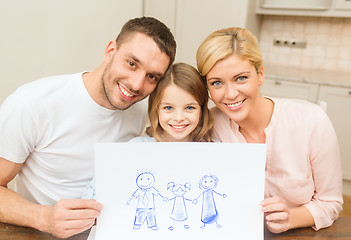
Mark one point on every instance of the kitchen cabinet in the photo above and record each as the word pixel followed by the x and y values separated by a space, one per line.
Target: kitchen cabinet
pixel 192 21
pixel 296 4
pixel 343 4
pixel 336 101
pixel 290 89
pixel 322 8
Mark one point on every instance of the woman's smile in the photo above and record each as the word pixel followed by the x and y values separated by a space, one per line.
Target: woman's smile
pixel 235 105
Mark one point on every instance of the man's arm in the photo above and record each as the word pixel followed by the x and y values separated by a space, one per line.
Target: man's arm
pixel 68 217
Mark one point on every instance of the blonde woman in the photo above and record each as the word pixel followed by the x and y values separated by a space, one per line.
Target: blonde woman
pixel 303 185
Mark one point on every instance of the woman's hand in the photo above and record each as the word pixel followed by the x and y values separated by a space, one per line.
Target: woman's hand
pixel 277 215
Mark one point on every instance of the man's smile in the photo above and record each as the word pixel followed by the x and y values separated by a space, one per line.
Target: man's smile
pixel 125 93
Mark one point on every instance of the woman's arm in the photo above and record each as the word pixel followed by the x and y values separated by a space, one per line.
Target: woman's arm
pixel 326 202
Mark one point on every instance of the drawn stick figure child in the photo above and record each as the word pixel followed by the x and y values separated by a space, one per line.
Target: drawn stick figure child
pixel 146 204
pixel 179 212
pixel 209 213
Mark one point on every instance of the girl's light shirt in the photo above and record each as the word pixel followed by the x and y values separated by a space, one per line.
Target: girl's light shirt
pixel 303 161
pixel 143 139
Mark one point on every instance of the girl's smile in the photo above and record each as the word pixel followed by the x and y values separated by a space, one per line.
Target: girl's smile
pixel 179 128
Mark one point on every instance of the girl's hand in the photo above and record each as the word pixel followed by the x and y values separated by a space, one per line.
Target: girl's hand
pixel 276 214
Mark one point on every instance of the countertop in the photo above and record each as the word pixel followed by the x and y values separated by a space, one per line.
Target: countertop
pixel 324 77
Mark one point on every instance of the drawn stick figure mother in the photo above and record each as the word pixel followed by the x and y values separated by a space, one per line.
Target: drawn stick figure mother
pixel 209 213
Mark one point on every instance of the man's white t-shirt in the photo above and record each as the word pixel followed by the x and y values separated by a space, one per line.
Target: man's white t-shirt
pixel 51 126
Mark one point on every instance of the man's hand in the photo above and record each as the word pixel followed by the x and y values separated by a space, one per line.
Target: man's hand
pixel 276 214
pixel 71 216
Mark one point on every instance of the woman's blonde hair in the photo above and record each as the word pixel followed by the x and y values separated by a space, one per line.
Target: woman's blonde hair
pixel 222 43
pixel 187 78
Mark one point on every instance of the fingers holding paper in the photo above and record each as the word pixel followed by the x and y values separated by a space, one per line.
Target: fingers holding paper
pixel 72 216
pixel 276 214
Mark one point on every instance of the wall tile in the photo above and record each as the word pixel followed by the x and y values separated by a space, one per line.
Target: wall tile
pixel 328 42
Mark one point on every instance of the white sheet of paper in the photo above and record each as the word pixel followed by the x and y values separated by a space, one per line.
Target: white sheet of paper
pixel 232 206
pixel 92 233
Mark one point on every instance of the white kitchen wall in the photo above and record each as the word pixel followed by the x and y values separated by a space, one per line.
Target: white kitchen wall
pixel 193 20
pixel 346 188
pixel 47 37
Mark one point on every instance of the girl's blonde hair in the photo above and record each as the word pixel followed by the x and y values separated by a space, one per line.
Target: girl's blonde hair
pixel 222 43
pixel 187 78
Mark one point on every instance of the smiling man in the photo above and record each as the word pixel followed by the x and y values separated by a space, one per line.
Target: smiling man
pixel 49 127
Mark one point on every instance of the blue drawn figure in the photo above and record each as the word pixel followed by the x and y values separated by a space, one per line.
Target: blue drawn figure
pixel 209 213
pixel 146 204
pixel 179 212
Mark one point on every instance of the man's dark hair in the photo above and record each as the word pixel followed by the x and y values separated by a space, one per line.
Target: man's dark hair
pixel 153 28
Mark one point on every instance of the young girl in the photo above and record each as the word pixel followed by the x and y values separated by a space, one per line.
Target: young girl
pixel 178 111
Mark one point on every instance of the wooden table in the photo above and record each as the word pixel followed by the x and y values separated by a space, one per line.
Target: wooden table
pixel 341 230
pixel 12 232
